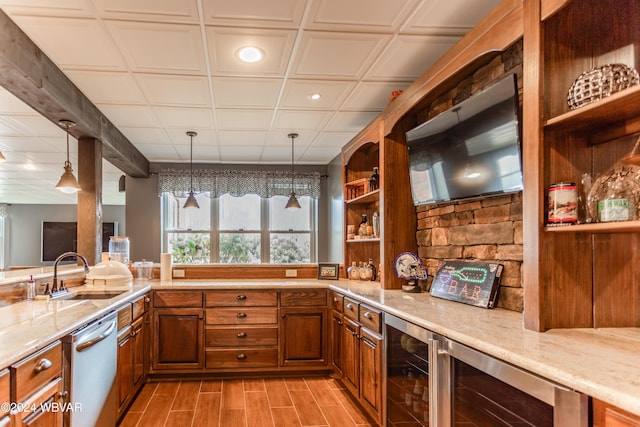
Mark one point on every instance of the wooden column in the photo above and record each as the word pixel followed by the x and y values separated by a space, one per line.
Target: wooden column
pixel 90 199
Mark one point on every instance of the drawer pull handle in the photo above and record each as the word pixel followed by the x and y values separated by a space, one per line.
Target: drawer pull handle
pixel 241 315
pixel 367 315
pixel 335 299
pixel 241 297
pixel 242 335
pixel 349 306
pixel 241 356
pixel 42 365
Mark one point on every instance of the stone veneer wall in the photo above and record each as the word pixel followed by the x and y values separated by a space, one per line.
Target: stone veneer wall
pixel 489 229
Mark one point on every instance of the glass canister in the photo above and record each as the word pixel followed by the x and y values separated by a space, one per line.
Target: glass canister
pixel 143 269
pixel 119 249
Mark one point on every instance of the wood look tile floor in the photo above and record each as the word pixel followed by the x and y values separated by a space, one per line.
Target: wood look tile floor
pixel 278 402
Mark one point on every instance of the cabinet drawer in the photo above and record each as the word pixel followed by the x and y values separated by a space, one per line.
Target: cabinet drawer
pixel 351 308
pixel 241 337
pixel 241 316
pixel 336 301
pixel 241 298
pixel 139 307
pixel 370 318
pixel 303 297
pixel 242 358
pixel 36 370
pixel 4 390
pixel 124 316
pixel 177 299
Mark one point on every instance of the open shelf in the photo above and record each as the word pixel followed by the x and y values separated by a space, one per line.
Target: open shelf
pixel 600 227
pixel 369 197
pixel 373 239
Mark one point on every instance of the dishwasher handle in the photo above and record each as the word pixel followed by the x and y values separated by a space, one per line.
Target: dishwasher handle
pixel 85 345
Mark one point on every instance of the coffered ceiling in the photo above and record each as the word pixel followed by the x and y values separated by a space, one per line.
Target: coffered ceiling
pixel 157 68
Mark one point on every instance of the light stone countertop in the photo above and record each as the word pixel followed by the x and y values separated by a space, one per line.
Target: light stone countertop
pixel 603 363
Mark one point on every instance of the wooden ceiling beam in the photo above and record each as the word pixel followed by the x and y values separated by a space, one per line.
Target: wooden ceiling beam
pixel 31 76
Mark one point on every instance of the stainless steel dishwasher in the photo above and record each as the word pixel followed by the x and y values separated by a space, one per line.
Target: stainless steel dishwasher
pixel 90 357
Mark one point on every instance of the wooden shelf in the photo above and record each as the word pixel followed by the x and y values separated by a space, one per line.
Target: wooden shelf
pixel 619 107
pixel 601 227
pixel 376 239
pixel 369 197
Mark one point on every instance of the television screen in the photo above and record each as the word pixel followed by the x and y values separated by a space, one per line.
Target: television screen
pixel 470 150
pixel 59 237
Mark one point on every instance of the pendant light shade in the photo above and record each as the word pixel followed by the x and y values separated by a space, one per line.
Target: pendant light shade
pixel 68 182
pixel 191 200
pixel 292 203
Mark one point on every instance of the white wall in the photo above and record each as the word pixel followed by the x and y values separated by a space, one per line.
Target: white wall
pixel 24 225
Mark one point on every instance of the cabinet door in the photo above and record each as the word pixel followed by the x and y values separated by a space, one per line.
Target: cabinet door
pixel 124 378
pixel 371 372
pixel 336 340
pixel 177 338
pixel 138 344
pixel 303 336
pixel 47 396
pixel 350 355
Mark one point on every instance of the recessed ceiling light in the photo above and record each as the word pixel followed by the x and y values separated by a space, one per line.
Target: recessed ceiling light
pixel 250 54
pixel 314 96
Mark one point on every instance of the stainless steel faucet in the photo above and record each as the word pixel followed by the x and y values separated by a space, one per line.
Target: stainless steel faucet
pixel 54 286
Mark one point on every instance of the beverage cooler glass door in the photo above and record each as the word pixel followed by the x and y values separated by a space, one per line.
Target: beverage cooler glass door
pixel 488 392
pixel 411 377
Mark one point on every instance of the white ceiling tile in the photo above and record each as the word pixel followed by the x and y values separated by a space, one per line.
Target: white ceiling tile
pixel 75 43
pixel 281 13
pixel 145 135
pixel 275 155
pixel 282 139
pixel 362 15
pixel 173 90
pixel 319 155
pixel 10 104
pixel 204 137
pixel 372 95
pixel 297 94
pixel 246 93
pixel 351 121
pixel 129 115
pixel 244 119
pixel 336 55
pixel 158 152
pixel 107 87
pixel 155 10
pixel 449 16
pixel 231 154
pixel 151 47
pixel 409 57
pixel 192 118
pixel 296 119
pixel 224 44
pixel 47 7
pixel 333 139
pixel 242 139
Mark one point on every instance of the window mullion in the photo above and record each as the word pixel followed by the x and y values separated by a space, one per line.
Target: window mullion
pixel 265 236
pixel 215 231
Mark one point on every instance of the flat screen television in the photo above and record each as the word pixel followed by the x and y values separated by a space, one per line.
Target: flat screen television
pixel 59 237
pixel 471 150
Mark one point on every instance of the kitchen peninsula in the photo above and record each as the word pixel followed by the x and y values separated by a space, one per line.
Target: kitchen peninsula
pixel 601 363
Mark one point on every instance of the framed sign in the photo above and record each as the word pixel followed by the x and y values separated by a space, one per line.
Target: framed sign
pixel 473 283
pixel 328 271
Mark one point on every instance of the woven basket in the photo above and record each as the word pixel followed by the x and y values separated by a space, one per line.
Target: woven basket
pixel 599 83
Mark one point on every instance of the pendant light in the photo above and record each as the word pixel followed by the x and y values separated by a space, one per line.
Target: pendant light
pixel 191 200
pixel 68 182
pixel 292 203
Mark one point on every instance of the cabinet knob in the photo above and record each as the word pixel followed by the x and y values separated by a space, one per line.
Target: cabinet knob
pixel 241 297
pixel 147 299
pixel 241 315
pixel 349 306
pixel 335 299
pixel 241 335
pixel 367 315
pixel 63 395
pixel 241 356
pixel 42 365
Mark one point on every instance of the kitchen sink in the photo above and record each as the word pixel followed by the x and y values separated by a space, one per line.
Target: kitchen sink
pixel 91 295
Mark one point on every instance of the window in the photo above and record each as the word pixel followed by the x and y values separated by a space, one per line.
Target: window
pixel 247 229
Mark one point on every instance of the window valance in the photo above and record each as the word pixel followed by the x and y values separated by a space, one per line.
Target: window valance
pixel 239 182
pixel 4 210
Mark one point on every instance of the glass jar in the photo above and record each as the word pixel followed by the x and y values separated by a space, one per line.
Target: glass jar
pixel 119 249
pixel 352 272
pixel 364 271
pixel 618 202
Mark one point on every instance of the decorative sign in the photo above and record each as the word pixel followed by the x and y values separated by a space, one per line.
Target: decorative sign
pixel 473 283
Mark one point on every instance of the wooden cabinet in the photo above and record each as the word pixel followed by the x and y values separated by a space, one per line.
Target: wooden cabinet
pixel 303 328
pixel 36 382
pixel 605 415
pixel 133 345
pixel 241 329
pixel 337 326
pixel 178 330
pixel 361 354
pixel 5 395
pixel 582 275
